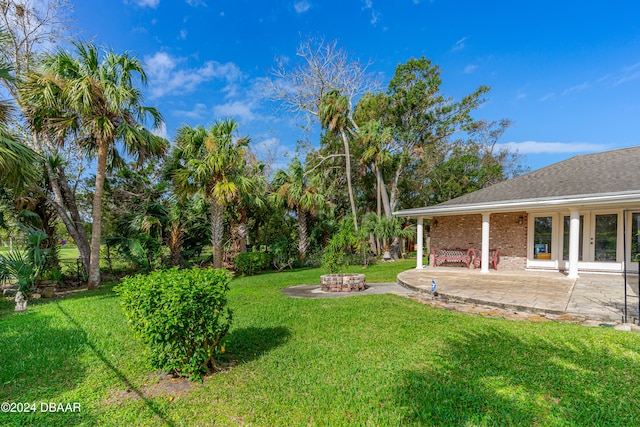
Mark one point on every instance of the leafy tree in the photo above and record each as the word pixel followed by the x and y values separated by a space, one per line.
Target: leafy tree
pixel 293 188
pixel 420 116
pixel 96 96
pixel 251 200
pixel 29 28
pixel 212 162
pixel 17 161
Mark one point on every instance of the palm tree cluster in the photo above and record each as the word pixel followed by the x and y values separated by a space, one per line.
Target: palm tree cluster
pixel 77 141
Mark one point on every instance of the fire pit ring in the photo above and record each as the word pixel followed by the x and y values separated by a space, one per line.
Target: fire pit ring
pixel 347 282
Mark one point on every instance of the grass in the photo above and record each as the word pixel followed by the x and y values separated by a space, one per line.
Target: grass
pixel 379 360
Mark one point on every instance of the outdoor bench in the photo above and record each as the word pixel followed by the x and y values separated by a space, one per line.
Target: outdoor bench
pixel 440 256
pixel 493 258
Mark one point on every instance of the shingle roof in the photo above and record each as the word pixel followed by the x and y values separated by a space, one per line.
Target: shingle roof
pixel 607 177
pixel 601 173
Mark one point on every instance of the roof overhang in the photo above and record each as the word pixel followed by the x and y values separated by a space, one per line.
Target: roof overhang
pixel 575 201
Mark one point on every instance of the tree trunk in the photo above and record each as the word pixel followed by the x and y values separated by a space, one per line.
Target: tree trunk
pixel 378 195
pixel 70 205
pixel 217 229
pixel 347 160
pixel 63 204
pixel 96 217
pixel 243 231
pixel 395 247
pixel 385 198
pixel 373 244
pixel 393 198
pixel 303 241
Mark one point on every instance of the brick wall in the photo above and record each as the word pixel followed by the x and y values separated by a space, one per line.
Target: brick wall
pixel 465 231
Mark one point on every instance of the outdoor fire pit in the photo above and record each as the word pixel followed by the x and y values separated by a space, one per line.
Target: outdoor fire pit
pixel 342 282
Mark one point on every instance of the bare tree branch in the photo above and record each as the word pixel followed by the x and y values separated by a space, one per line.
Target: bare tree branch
pixel 323 66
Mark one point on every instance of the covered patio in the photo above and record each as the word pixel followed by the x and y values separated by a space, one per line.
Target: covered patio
pixel 593 296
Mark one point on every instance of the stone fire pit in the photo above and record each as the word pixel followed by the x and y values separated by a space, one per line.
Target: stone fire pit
pixel 342 282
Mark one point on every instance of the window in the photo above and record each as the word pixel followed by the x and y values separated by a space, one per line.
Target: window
pixel 542 226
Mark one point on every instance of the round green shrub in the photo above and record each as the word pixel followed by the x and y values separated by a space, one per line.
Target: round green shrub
pixel 182 315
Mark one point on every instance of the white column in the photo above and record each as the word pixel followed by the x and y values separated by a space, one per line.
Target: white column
pixel 420 242
pixel 574 243
pixel 485 243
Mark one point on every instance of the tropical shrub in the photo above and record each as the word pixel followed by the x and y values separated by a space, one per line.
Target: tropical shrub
pixel 249 263
pixel 182 315
pixel 342 243
pixel 26 266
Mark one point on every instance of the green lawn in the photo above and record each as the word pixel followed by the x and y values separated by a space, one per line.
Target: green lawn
pixel 67 252
pixel 379 360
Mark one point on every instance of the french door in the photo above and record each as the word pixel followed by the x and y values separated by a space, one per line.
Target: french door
pixel 600 243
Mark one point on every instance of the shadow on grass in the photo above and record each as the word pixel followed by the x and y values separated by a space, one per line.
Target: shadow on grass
pixel 7 305
pixel 39 360
pixel 246 344
pixel 121 376
pixel 497 378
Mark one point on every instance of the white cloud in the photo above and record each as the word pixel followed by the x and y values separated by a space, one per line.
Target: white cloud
pixel 161 131
pixel 547 97
pixel 459 45
pixel 165 78
pixel 627 74
pixel 375 15
pixel 621 76
pixel 242 110
pixel 272 153
pixel 578 88
pixel 302 6
pixel 147 3
pixel 470 68
pixel 538 147
pixel 199 111
pixel 196 3
pixel 183 34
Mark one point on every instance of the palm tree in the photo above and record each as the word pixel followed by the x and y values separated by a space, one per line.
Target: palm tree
pixel 300 194
pixel 374 139
pixel 251 200
pixel 16 160
pixel 388 230
pixel 334 116
pixel 96 97
pixel 212 162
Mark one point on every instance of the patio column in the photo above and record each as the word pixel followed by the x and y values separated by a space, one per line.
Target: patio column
pixel 485 243
pixel 574 243
pixel 420 242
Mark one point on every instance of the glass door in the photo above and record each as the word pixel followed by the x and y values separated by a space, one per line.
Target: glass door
pixel 605 238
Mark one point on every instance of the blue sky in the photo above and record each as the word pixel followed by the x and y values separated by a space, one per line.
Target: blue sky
pixel 567 73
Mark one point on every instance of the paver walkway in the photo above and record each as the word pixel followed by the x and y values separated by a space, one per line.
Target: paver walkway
pixel 593 296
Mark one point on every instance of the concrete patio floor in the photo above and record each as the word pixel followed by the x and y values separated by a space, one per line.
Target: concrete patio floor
pixel 593 296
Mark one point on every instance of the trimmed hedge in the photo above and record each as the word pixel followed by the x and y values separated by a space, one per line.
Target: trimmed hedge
pixel 182 315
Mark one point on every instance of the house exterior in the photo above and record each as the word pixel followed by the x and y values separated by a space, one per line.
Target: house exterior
pixel 581 214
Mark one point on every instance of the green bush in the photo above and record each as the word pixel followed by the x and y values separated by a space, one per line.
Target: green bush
pixel 182 315
pixel 249 263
